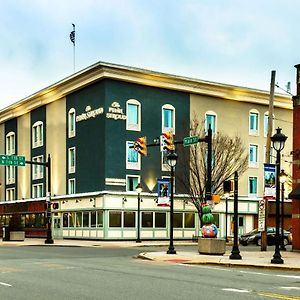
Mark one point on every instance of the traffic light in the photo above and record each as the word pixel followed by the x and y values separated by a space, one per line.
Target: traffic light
pixel 167 141
pixel 140 145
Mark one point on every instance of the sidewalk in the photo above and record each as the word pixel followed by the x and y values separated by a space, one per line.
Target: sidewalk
pixel 253 259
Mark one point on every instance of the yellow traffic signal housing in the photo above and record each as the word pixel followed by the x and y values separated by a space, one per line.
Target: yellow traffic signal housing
pixel 216 199
pixel 168 141
pixel 141 145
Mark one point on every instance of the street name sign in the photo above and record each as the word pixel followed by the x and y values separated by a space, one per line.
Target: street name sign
pixel 190 140
pixel 12 160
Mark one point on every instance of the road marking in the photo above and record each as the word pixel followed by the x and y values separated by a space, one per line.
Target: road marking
pixel 289 287
pixel 278 296
pixel 236 290
pixel 288 276
pixel 5 284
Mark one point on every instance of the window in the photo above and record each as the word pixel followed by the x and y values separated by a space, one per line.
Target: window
pixel 114 219
pixel 210 119
pixel 266 123
pixel 37 190
pixel 72 122
pixel 10 143
pixel 10 174
pixel 271 155
pixel 72 160
pixel 37 170
pixel 133 120
pixel 37 134
pixel 132 182
pixel 129 219
pixel 85 219
pixel 147 219
pixel 177 219
pixel 253 122
pixel 253 155
pixel 164 163
pixel 133 160
pixel 160 220
pixel 71 186
pixel 253 186
pixel 189 220
pixel 168 118
pixel 10 194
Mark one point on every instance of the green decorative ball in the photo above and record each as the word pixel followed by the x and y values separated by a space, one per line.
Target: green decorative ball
pixel 207 218
pixel 206 210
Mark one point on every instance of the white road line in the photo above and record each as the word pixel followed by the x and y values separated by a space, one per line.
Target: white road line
pixel 288 276
pixel 254 273
pixel 289 287
pixel 5 284
pixel 236 290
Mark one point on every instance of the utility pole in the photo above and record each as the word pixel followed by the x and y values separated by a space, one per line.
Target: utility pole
pixel 264 241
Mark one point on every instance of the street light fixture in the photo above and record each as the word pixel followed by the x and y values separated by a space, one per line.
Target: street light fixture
pixel 278 142
pixel 282 179
pixel 172 160
pixel 139 189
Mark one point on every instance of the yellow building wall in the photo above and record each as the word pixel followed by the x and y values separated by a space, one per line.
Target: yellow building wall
pixel 56 144
pixel 2 173
pixel 233 119
pixel 24 147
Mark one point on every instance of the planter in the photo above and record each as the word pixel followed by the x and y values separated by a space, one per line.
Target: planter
pixel 17 236
pixel 214 246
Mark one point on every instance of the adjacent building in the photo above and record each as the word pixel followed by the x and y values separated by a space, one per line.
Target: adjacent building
pixel 88 123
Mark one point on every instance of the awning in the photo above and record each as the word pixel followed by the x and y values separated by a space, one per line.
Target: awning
pixel 295 193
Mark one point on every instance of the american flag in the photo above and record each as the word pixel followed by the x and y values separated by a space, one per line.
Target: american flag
pixel 72 36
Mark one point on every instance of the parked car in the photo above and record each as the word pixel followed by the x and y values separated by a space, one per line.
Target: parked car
pixel 254 237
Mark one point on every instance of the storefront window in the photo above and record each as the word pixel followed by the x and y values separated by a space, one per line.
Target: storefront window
pixel 129 219
pixel 177 220
pixel 147 219
pixel 79 219
pixel 100 218
pixel 189 220
pixel 71 219
pixel 160 220
pixel 114 219
pixel 93 219
pixel 65 220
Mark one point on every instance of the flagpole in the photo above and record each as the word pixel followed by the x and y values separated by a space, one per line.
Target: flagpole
pixel 74 49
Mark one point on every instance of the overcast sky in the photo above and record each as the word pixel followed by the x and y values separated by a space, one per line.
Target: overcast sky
pixel 229 41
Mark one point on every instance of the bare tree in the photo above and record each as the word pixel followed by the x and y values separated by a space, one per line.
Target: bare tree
pixel 228 155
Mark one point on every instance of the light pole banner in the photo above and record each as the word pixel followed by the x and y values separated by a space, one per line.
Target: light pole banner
pixel 164 191
pixel 270 181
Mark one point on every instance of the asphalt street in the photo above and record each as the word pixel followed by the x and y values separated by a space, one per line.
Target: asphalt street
pixel 35 272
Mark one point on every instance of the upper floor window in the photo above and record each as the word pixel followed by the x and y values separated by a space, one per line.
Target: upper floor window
pixel 72 159
pixel 72 186
pixel 168 118
pixel 253 122
pixel 266 123
pixel 72 122
pixel 37 170
pixel 10 143
pixel 272 157
pixel 37 190
pixel 253 155
pixel 133 109
pixel 133 160
pixel 10 174
pixel 10 194
pixel 252 184
pixel 211 120
pixel 37 134
pixel 131 182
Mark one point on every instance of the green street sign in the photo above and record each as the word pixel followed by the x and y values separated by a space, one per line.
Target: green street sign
pixel 190 140
pixel 12 160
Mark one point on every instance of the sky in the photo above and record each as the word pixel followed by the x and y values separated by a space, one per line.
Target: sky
pixel 228 41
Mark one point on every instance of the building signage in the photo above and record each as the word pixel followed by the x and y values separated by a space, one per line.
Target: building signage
pixel 115 112
pixel 164 191
pixel 270 181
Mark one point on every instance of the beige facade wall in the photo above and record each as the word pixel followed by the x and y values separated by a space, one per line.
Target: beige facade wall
pixel 24 147
pixel 2 173
pixel 56 144
pixel 233 119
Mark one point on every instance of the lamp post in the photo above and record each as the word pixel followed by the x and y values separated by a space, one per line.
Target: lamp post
pixel 139 190
pixel 278 141
pixel 172 160
pixel 282 179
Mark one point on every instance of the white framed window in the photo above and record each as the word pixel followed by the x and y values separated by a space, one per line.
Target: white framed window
pixel 37 134
pixel 37 170
pixel 10 143
pixel 10 174
pixel 254 122
pixel 72 123
pixel 168 118
pixel 133 110
pixel 252 186
pixel 253 155
pixel 10 194
pixel 272 157
pixel 266 123
pixel 211 119
pixel 164 163
pixel 72 186
pixel 72 159
pixel 37 190
pixel 133 160
pixel 131 182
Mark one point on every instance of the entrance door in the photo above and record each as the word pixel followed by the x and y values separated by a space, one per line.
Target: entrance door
pixel 56 225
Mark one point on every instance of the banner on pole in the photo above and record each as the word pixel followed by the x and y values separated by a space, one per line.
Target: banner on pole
pixel 164 191
pixel 270 181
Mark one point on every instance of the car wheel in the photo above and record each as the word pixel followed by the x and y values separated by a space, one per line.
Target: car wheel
pixel 258 242
pixel 285 241
pixel 244 243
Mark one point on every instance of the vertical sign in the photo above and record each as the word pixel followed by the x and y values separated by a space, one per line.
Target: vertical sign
pixel 164 191
pixel 270 181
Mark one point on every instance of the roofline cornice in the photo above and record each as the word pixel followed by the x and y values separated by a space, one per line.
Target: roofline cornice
pixel 103 70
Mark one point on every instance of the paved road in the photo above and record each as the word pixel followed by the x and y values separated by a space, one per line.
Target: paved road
pixel 113 273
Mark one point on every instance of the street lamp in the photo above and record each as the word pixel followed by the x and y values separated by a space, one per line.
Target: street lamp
pixel 282 179
pixel 278 141
pixel 139 190
pixel 172 160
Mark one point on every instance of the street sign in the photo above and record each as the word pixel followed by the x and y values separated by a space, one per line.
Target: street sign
pixel 261 214
pixel 190 140
pixel 12 160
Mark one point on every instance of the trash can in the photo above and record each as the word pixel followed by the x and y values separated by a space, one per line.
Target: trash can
pixel 5 236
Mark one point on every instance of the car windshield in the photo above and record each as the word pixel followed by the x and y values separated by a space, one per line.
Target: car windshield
pixel 253 231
